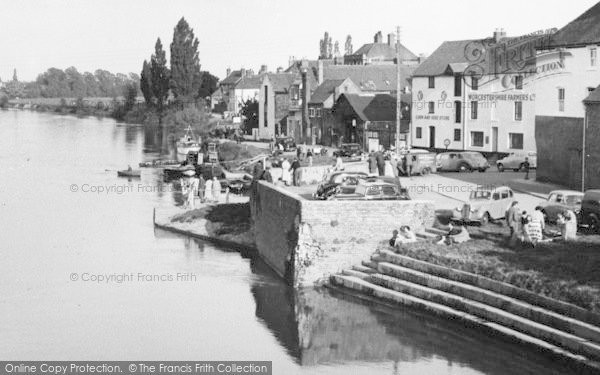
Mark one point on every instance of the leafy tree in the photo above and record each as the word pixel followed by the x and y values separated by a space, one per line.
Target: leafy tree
pixel 146 83
pixel 159 76
pixel 348 46
pixel 75 82
pixel 326 47
pixel 130 92
pixel 92 89
pixel 106 83
pixel 250 114
pixel 208 85
pixel 185 63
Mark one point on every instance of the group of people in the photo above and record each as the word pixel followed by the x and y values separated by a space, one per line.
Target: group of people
pixel 529 228
pixel 208 191
pixel 452 236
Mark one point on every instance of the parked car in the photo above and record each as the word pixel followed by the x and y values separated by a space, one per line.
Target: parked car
pixel 590 210
pixel 336 182
pixel 349 150
pixel 559 201
pixel 423 163
pixel 288 143
pixel 372 190
pixel 461 161
pixel 485 205
pixel 515 161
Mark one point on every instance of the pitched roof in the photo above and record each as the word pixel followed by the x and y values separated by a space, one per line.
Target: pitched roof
pixel 232 78
pixel 385 50
pixel 594 96
pixel 372 107
pixel 248 83
pixel 371 77
pixel 449 52
pixel 325 90
pixel 584 30
pixel 281 81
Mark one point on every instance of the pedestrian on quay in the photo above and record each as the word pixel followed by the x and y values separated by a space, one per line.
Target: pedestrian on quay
pixel 380 161
pixel 216 189
pixel 193 191
pixel 184 192
pixel 309 156
pixel 208 191
pixel 372 163
pixel 339 164
pixel 410 160
pixel 526 167
pixel 286 175
pixel 201 187
pixel 295 172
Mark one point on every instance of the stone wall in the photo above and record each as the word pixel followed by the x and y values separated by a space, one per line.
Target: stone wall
pixel 306 241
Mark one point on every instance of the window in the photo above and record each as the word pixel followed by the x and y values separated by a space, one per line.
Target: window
pixel 457 112
pixel 419 133
pixel 474 110
pixel 457 85
pixel 456 135
pixel 593 56
pixel 474 83
pixel 319 112
pixel 504 194
pixel 311 112
pixel 518 111
pixel 519 82
pixel 431 106
pixel 431 82
pixel 561 99
pixel 515 140
pixel 295 92
pixel 477 139
pixel 496 196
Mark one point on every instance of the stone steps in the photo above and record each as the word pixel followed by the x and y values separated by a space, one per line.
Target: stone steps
pixel 558 327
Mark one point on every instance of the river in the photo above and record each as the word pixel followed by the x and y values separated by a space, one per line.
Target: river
pixel 85 276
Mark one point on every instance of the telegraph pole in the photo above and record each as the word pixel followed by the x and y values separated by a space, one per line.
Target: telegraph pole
pixel 398 91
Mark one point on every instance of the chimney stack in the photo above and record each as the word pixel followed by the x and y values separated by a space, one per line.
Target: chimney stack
pixel 263 69
pixel 391 40
pixel 228 72
pixel 378 37
pixel 320 72
pixel 499 34
pixel 242 72
pixel 279 69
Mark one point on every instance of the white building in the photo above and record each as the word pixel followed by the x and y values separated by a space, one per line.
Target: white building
pixel 479 104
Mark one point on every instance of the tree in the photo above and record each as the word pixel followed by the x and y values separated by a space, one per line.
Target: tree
pixel 106 83
pixel 348 46
pixel 146 83
pixel 185 63
pixel 75 82
pixel 91 85
pixel 130 92
pixel 159 75
pixel 208 85
pixel 250 115
pixel 326 47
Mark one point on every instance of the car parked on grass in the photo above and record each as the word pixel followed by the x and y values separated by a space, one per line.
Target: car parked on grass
pixel 349 150
pixel 461 161
pixel 590 210
pixel 340 181
pixel 559 201
pixel 516 161
pixel 372 190
pixel 485 205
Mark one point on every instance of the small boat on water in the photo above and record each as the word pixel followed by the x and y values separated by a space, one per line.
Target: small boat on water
pixel 187 143
pixel 129 173
pixel 170 173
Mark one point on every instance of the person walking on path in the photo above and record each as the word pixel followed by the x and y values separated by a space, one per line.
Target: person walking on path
pixel 208 191
pixel 526 166
pixel 380 162
pixel 372 163
pixel 295 172
pixel 216 189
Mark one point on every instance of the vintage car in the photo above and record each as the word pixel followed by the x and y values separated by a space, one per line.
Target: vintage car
pixel 590 210
pixel 463 161
pixel 372 189
pixel 288 143
pixel 423 163
pixel 349 150
pixel 485 205
pixel 515 161
pixel 338 182
pixel 559 201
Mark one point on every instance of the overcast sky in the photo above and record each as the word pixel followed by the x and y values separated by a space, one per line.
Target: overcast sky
pixel 117 35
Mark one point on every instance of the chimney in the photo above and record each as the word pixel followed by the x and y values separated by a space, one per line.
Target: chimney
pixel 279 69
pixel 391 40
pixel 499 34
pixel 228 72
pixel 263 69
pixel 378 37
pixel 249 72
pixel 291 61
pixel 320 72
pixel 242 72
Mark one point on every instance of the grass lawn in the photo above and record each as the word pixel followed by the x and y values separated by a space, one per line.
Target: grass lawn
pixel 568 272
pixel 235 218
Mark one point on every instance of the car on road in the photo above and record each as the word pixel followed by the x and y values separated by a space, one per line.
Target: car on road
pixel 288 143
pixel 590 210
pixel 559 201
pixel 423 163
pixel 485 205
pixel 516 161
pixel 372 190
pixel 462 161
pixel 349 150
pixel 336 182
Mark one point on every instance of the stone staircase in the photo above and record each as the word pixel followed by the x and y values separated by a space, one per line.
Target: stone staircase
pixel 563 330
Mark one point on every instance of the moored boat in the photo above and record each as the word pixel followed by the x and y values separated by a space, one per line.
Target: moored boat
pixel 129 173
pixel 187 143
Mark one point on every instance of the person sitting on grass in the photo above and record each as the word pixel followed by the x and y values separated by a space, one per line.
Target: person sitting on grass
pixel 532 231
pixel 455 235
pixel 406 235
pixel 568 225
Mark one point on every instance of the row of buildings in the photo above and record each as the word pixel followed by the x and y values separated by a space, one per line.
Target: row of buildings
pixel 497 94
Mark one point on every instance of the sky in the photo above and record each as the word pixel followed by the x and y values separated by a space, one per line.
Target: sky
pixel 117 35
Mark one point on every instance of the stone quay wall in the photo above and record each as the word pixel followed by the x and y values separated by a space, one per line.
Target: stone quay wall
pixel 306 241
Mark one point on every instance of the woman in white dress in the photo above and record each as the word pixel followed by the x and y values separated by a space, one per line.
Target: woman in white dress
pixel 208 191
pixel 216 189
pixel 286 176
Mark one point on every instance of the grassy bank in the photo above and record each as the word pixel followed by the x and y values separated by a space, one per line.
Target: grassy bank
pixel 234 218
pixel 565 271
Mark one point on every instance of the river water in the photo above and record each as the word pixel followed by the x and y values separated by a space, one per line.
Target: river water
pixel 67 221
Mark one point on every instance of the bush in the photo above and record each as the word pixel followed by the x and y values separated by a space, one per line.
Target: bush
pixel 3 101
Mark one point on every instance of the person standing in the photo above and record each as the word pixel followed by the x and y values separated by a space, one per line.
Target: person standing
pixel 201 187
pixel 339 164
pixel 295 172
pixel 216 189
pixel 193 191
pixel 380 162
pixel 409 164
pixel 513 219
pixel 208 191
pixel 526 167
pixel 286 177
pixel 309 155
pixel 372 163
